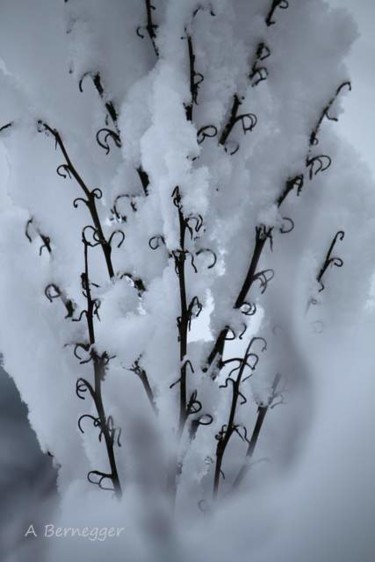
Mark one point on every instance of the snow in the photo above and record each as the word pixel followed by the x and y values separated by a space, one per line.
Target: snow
pixel 209 200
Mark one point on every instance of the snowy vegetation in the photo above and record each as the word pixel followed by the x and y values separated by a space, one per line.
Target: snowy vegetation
pixel 182 240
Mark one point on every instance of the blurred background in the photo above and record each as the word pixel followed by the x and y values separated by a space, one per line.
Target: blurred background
pixel 27 478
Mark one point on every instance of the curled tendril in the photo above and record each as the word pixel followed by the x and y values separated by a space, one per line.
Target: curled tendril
pixel 150 28
pixel 81 315
pixel 46 244
pixel 105 358
pixel 122 238
pixel 243 436
pixel 256 360
pixel 175 383
pixel 103 136
pixel 345 84
pixel 244 330
pixel 264 277
pixel 340 235
pixel 317 164
pixel 245 360
pixel 237 360
pixel 205 419
pixel 96 305
pixel 231 147
pixel 176 197
pixel 142 29
pixel 95 421
pixel 114 432
pixel 197 221
pixel 80 83
pixel 139 33
pixel 99 480
pixel 192 261
pixel 264 232
pixel 209 131
pixel 135 282
pixel 180 256
pixel 248 122
pixel 243 398
pixel 115 210
pixel 338 262
pixel 314 140
pixel 95 237
pixel 52 291
pixel 248 309
pixel 318 326
pixel 292 183
pixel 85 347
pixel 282 4
pixel 82 386
pixel 198 79
pixel 194 310
pixel 229 379
pixel 194 406
pixel 258 75
pixel 187 363
pixel 231 336
pixel 86 284
pixel 208 251
pixel 27 230
pixel 45 239
pixel 241 362
pixel 79 200
pixel 156 241
pixel 284 229
pixel 329 260
pixel 96 193
pixel 64 171
pixel 97 81
pixel 263 52
pixel 221 434
pixel 260 339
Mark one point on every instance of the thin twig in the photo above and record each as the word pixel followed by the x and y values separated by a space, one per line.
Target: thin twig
pixel 262 412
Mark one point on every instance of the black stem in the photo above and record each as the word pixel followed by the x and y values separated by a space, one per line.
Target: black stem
pixel 261 235
pixel 262 412
pixel 329 260
pixel 151 27
pixel 193 92
pixel 232 120
pixel 180 260
pixel 230 427
pixel 99 374
pixel 90 202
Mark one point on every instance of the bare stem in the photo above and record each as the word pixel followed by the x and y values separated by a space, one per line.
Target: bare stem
pixel 262 412
pixel 183 323
pixel 99 373
pixel 90 200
